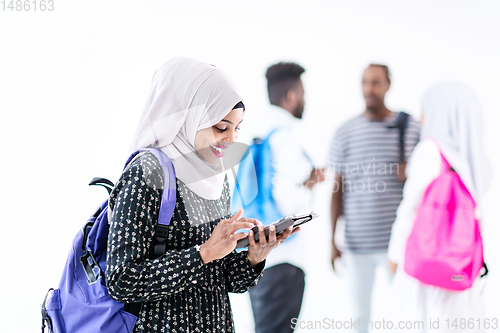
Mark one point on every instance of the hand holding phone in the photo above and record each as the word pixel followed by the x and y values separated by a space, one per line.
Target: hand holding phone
pixel 281 225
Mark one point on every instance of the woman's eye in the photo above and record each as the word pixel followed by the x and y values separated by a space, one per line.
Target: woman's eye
pixel 220 129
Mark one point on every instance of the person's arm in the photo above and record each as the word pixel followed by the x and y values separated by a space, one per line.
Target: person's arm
pixel 336 161
pixel 335 213
pixel 423 167
pixel 131 275
pixel 243 270
pixel 239 272
pixel 317 176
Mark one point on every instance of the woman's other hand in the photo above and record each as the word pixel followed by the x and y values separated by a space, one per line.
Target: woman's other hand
pixel 393 267
pixel 335 254
pixel 317 176
pixel 257 252
pixel 224 237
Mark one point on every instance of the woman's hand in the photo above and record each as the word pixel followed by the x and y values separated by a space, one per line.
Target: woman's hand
pixel 393 267
pixel 224 237
pixel 257 252
pixel 335 254
pixel 317 176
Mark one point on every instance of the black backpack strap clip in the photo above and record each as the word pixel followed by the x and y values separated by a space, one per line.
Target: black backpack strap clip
pixel 160 241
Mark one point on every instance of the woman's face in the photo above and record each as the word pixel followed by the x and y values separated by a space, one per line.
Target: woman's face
pixel 211 142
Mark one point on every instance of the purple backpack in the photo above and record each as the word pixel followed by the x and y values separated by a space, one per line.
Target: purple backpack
pixel 82 303
pixel 445 248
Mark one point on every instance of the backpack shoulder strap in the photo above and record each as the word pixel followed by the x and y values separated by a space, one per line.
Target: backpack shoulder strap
pixel 167 206
pixel 168 198
pixel 445 165
pixel 260 140
pixel 271 133
pixel 402 124
pixel 168 201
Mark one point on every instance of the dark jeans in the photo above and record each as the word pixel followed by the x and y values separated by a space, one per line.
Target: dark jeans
pixel 277 298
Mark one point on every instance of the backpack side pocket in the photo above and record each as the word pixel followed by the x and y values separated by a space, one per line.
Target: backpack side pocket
pixel 52 307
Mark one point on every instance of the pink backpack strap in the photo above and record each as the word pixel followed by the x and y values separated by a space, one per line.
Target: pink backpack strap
pixel 445 166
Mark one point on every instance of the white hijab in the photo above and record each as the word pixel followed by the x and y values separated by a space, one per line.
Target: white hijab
pixel 187 96
pixel 453 117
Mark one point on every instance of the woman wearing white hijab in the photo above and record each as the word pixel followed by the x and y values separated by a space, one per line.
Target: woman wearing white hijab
pixel 192 115
pixel 452 118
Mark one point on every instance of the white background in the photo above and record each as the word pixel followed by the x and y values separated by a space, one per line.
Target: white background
pixel 73 82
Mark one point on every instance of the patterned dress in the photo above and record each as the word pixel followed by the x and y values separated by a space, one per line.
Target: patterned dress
pixel 179 294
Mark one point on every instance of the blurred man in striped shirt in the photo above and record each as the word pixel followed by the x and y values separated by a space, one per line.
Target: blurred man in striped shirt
pixel 368 155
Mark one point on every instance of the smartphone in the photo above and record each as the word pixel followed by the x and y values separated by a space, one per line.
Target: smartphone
pixel 281 225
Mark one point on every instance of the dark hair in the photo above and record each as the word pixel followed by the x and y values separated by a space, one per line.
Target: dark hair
pixel 281 78
pixel 386 71
pixel 240 105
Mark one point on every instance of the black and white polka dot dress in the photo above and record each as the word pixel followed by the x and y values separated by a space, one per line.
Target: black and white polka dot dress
pixel 179 294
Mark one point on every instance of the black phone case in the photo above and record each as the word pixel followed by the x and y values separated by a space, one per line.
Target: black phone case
pixel 280 225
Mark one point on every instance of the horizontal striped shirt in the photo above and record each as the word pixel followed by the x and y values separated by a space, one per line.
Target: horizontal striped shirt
pixel 366 154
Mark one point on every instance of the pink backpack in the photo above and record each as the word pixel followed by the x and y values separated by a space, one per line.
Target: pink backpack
pixel 445 248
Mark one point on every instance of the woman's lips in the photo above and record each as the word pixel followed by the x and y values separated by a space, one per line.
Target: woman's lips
pixel 217 150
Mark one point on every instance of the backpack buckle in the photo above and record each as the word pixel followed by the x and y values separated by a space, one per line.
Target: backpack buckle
pixel 91 267
pixel 160 240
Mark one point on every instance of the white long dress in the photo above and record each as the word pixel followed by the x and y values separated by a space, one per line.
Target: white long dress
pixel 413 304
